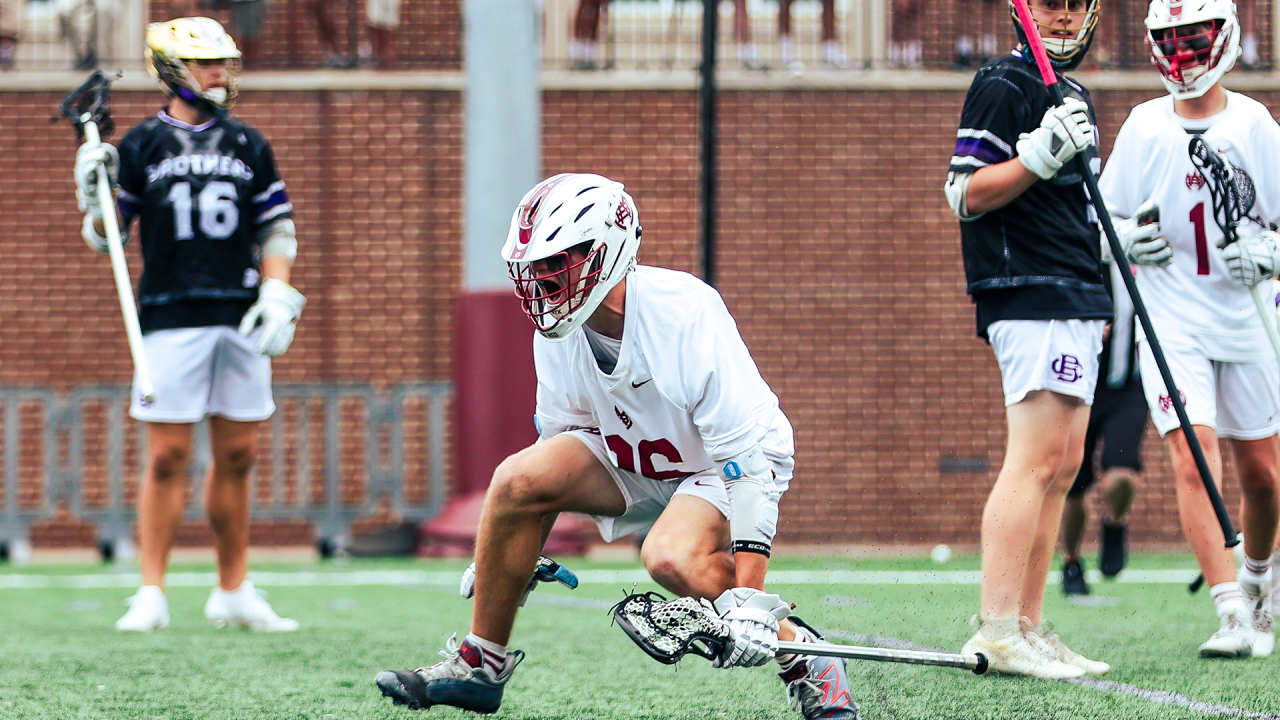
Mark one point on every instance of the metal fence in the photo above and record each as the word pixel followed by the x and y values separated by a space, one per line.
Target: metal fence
pixel 330 455
pixel 78 34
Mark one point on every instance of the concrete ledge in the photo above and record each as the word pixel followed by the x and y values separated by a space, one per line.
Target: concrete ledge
pixel 625 80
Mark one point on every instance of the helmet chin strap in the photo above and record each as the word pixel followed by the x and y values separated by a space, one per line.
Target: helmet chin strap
pixel 199 102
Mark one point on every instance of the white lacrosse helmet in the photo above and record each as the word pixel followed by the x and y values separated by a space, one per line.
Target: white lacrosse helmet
pixel 171 45
pixel 1192 62
pixel 589 213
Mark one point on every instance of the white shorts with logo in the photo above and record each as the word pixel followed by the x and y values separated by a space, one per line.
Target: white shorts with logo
pixel 646 498
pixel 203 371
pixel 1239 400
pixel 1056 355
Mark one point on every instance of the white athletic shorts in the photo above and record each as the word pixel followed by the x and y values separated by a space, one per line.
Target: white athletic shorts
pixel 203 371
pixel 383 14
pixel 646 499
pixel 1056 355
pixel 1238 400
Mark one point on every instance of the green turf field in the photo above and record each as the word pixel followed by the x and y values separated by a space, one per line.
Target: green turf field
pixel 59 657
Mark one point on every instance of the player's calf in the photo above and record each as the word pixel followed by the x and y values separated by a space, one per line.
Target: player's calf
pixel 470 677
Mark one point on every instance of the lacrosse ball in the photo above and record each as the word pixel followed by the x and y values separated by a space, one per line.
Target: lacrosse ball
pixel 940 554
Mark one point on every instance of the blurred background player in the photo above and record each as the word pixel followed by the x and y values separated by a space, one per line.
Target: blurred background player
pixel 1033 270
pixel 11 12
pixel 1200 305
pixel 831 54
pixel 217 248
pixel 906 48
pixel 1118 418
pixel 652 416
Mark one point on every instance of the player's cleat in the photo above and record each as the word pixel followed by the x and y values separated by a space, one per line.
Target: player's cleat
pixel 464 679
pixel 817 686
pixel 148 611
pixel 1014 655
pixel 1234 638
pixel 1257 597
pixel 245 607
pixel 1073 579
pixel 1114 550
pixel 1050 644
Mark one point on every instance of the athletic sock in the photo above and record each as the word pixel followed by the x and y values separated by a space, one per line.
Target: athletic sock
pixel 997 629
pixel 785 659
pixel 1226 596
pixel 495 655
pixel 1257 568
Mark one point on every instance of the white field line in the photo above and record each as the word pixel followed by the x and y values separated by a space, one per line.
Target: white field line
pixel 589 577
pixel 1160 697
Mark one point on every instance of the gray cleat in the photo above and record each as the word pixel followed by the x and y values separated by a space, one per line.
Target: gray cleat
pixel 462 680
pixel 818 686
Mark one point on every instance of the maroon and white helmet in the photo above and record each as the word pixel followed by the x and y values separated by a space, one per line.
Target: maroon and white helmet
pixel 571 210
pixel 1191 61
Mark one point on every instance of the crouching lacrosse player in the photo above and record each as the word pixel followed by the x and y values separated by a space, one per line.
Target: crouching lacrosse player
pixel 214 218
pixel 1201 306
pixel 1031 260
pixel 652 415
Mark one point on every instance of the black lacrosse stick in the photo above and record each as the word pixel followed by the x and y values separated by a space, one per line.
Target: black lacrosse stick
pixel 670 629
pixel 1230 187
pixel 94 99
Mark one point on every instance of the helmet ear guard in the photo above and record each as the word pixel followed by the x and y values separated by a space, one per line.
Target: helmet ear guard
pixel 1065 54
pixel 171 45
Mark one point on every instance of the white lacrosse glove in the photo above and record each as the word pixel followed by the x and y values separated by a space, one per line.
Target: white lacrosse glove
pixel 87 159
pixel 1142 244
pixel 1253 259
pixel 753 617
pixel 278 307
pixel 1064 131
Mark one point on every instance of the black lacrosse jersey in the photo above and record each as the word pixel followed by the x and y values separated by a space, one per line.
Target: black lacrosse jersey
pixel 1036 258
pixel 200 194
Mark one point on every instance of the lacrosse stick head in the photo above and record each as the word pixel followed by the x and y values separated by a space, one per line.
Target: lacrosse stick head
pixel 91 102
pixel 670 629
pixel 1230 188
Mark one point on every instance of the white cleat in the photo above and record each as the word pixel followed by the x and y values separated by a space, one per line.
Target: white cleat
pixel 148 611
pixel 245 607
pixel 1015 656
pixel 1052 646
pixel 1257 597
pixel 1234 638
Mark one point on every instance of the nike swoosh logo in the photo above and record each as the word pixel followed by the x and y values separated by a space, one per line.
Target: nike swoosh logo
pixel 636 385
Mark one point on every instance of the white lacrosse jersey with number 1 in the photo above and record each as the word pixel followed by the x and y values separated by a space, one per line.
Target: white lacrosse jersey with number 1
pixel 684 394
pixel 1195 297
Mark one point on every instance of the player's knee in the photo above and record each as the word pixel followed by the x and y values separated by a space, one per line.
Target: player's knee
pixel 666 562
pixel 238 461
pixel 169 462
pixel 518 485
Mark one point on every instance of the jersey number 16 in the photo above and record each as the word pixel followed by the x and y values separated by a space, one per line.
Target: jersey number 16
pixel 219 215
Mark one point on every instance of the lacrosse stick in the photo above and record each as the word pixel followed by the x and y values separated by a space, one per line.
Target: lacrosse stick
pixel 1047 74
pixel 670 629
pixel 89 108
pixel 1233 195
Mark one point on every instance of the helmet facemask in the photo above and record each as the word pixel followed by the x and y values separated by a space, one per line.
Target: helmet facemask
pixel 1185 53
pixel 1065 52
pixel 554 288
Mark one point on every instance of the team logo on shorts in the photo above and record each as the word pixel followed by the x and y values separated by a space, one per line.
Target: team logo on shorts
pixel 1068 368
pixel 625 418
pixel 1166 402
pixel 143 401
pixel 1195 180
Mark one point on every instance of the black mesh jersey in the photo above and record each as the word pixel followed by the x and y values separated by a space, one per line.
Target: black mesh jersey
pixel 1036 258
pixel 200 193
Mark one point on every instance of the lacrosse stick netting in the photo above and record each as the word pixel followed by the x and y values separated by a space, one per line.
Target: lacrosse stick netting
pixel 670 629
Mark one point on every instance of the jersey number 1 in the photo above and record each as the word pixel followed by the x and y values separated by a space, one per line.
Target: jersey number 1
pixel 1202 241
pixel 219 215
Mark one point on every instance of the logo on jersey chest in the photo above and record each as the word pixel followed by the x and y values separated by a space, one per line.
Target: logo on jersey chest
pixel 1195 180
pixel 625 418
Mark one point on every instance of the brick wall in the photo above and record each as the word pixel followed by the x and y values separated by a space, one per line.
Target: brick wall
pixel 838 256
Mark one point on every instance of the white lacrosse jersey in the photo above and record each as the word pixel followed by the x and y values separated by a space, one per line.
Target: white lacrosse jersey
pixel 684 394
pixel 1195 296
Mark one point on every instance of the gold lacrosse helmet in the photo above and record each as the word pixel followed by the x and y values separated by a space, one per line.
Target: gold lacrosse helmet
pixel 170 45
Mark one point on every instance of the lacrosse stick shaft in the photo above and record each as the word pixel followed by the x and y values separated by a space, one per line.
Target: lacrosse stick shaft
pixel 1267 313
pixel 120 270
pixel 1036 43
pixel 976 663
